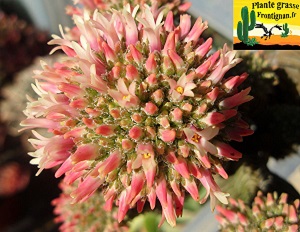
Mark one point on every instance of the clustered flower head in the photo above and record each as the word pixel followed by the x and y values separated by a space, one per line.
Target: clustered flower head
pixel 268 213
pixel 84 217
pixel 177 6
pixel 139 111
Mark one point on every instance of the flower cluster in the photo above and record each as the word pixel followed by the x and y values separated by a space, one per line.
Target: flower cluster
pixel 139 111
pixel 177 6
pixel 268 213
pixel 84 217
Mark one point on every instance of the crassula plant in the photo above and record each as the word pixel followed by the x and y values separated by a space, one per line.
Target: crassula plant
pixel 176 6
pixel 84 217
pixel 138 111
pixel 268 213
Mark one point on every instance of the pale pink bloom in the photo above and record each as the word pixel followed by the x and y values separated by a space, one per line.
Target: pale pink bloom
pixel 212 118
pixel 106 130
pixel 86 29
pixel 85 152
pixel 131 30
pixel 177 61
pixel 192 188
pixel 184 25
pixel 183 87
pixel 226 62
pixel 135 133
pixel 164 122
pixel 212 189
pixel 150 108
pixel 108 26
pixel 169 22
pixel 165 200
pixel 125 96
pixel 227 152
pixel 86 188
pixel 146 159
pixel 202 50
pixel 127 144
pixel 136 185
pixel 31 123
pixel 109 164
pixel 196 30
pixel 175 187
pixel 152 198
pixel 131 73
pixel 184 6
pixel 167 135
pixel 235 81
pixel 158 96
pixel 137 118
pixel 179 163
pixel 213 95
pixel 200 139
pixel 237 99
pixel 184 150
pixel 187 107
pixel 49 151
pixel 136 55
pixel 65 167
pixel 151 65
pixel 64 43
pixel 170 43
pixel 79 103
pixel 123 206
pixel 151 29
pixel 169 212
pixel 176 115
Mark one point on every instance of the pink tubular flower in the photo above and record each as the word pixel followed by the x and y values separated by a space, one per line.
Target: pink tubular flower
pixel 125 96
pixel 270 212
pixel 74 217
pixel 138 110
pixel 146 159
pixel 157 6
pixel 183 87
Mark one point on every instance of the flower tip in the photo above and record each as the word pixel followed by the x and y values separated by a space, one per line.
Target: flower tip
pixel 185 6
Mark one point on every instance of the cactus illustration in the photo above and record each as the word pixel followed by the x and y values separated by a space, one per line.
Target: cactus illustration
pixel 242 27
pixel 286 30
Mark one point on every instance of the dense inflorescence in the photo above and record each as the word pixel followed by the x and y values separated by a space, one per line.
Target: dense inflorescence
pixel 84 217
pixel 268 213
pixel 139 110
pixel 177 6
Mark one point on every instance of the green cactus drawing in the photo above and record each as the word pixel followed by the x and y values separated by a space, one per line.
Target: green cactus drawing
pixel 242 27
pixel 286 30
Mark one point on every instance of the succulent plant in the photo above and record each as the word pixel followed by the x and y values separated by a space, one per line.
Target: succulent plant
pixel 139 111
pixel 106 5
pixel 88 217
pixel 268 213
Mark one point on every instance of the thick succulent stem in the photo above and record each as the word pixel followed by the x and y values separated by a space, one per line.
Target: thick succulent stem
pixel 243 27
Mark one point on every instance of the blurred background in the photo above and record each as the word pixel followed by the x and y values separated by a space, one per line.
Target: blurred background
pixel 25 28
